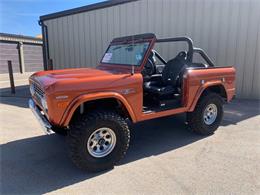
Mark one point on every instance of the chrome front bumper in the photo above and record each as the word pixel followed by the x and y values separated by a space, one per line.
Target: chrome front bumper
pixel 45 124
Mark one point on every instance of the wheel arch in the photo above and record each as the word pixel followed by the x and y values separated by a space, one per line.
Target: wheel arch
pixel 97 99
pixel 218 88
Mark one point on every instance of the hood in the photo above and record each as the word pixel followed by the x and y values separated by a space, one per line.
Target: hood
pixel 78 79
pixel 51 76
pixel 77 73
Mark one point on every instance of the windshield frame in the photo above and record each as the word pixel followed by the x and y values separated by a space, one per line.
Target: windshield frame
pixel 128 42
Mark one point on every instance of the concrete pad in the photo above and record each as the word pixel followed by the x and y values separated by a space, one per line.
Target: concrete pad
pixel 163 158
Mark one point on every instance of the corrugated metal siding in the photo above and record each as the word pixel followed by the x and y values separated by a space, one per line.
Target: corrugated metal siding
pixel 9 51
pixel 228 30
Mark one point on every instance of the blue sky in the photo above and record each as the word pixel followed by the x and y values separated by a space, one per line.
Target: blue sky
pixel 21 16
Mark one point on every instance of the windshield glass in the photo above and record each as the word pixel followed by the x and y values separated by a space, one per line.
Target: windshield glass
pixel 126 54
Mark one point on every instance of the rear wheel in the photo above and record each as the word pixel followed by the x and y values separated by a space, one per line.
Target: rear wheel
pixel 98 140
pixel 207 116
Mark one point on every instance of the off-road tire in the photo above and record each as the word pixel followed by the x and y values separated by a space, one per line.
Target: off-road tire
pixel 60 131
pixel 81 129
pixel 195 119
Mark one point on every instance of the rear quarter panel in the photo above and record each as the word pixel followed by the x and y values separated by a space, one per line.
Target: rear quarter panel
pixel 197 80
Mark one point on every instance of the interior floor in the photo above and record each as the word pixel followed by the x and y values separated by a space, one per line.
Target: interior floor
pixel 155 104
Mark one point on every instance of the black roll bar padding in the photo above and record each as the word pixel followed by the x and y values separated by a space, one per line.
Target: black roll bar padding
pixel 186 39
pixel 204 56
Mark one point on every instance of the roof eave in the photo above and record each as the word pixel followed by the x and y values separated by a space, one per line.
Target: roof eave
pixel 86 8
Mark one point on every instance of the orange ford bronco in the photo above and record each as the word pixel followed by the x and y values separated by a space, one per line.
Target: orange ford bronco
pixel 132 83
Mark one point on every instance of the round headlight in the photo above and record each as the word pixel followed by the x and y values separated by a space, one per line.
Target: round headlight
pixel 44 103
pixel 32 91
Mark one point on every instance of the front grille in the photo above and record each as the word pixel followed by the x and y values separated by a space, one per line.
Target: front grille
pixel 38 92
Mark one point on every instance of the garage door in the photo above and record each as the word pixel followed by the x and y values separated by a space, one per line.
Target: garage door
pixel 9 51
pixel 33 60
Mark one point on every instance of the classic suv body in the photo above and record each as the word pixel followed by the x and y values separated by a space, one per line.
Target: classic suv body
pixel 66 89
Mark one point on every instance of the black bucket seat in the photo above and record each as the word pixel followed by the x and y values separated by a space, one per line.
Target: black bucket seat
pixel 169 81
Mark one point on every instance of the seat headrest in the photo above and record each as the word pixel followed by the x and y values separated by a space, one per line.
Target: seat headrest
pixel 182 55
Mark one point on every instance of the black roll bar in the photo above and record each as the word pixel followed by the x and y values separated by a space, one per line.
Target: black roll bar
pixel 177 39
pixel 191 49
pixel 204 56
pixel 159 57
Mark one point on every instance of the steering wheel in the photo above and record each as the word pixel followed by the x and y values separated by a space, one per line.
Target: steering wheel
pixel 149 67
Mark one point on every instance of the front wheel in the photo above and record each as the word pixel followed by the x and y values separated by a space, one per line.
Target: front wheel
pixel 207 115
pixel 98 140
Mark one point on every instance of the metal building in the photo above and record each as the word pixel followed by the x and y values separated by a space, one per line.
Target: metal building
pixel 228 30
pixel 25 53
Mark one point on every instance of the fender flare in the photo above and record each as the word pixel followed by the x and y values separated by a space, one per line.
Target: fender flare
pixel 76 102
pixel 201 90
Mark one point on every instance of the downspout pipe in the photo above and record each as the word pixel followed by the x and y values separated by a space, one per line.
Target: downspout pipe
pixel 45 48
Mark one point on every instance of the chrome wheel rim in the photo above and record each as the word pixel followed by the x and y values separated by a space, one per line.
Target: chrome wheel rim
pixel 101 142
pixel 210 114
